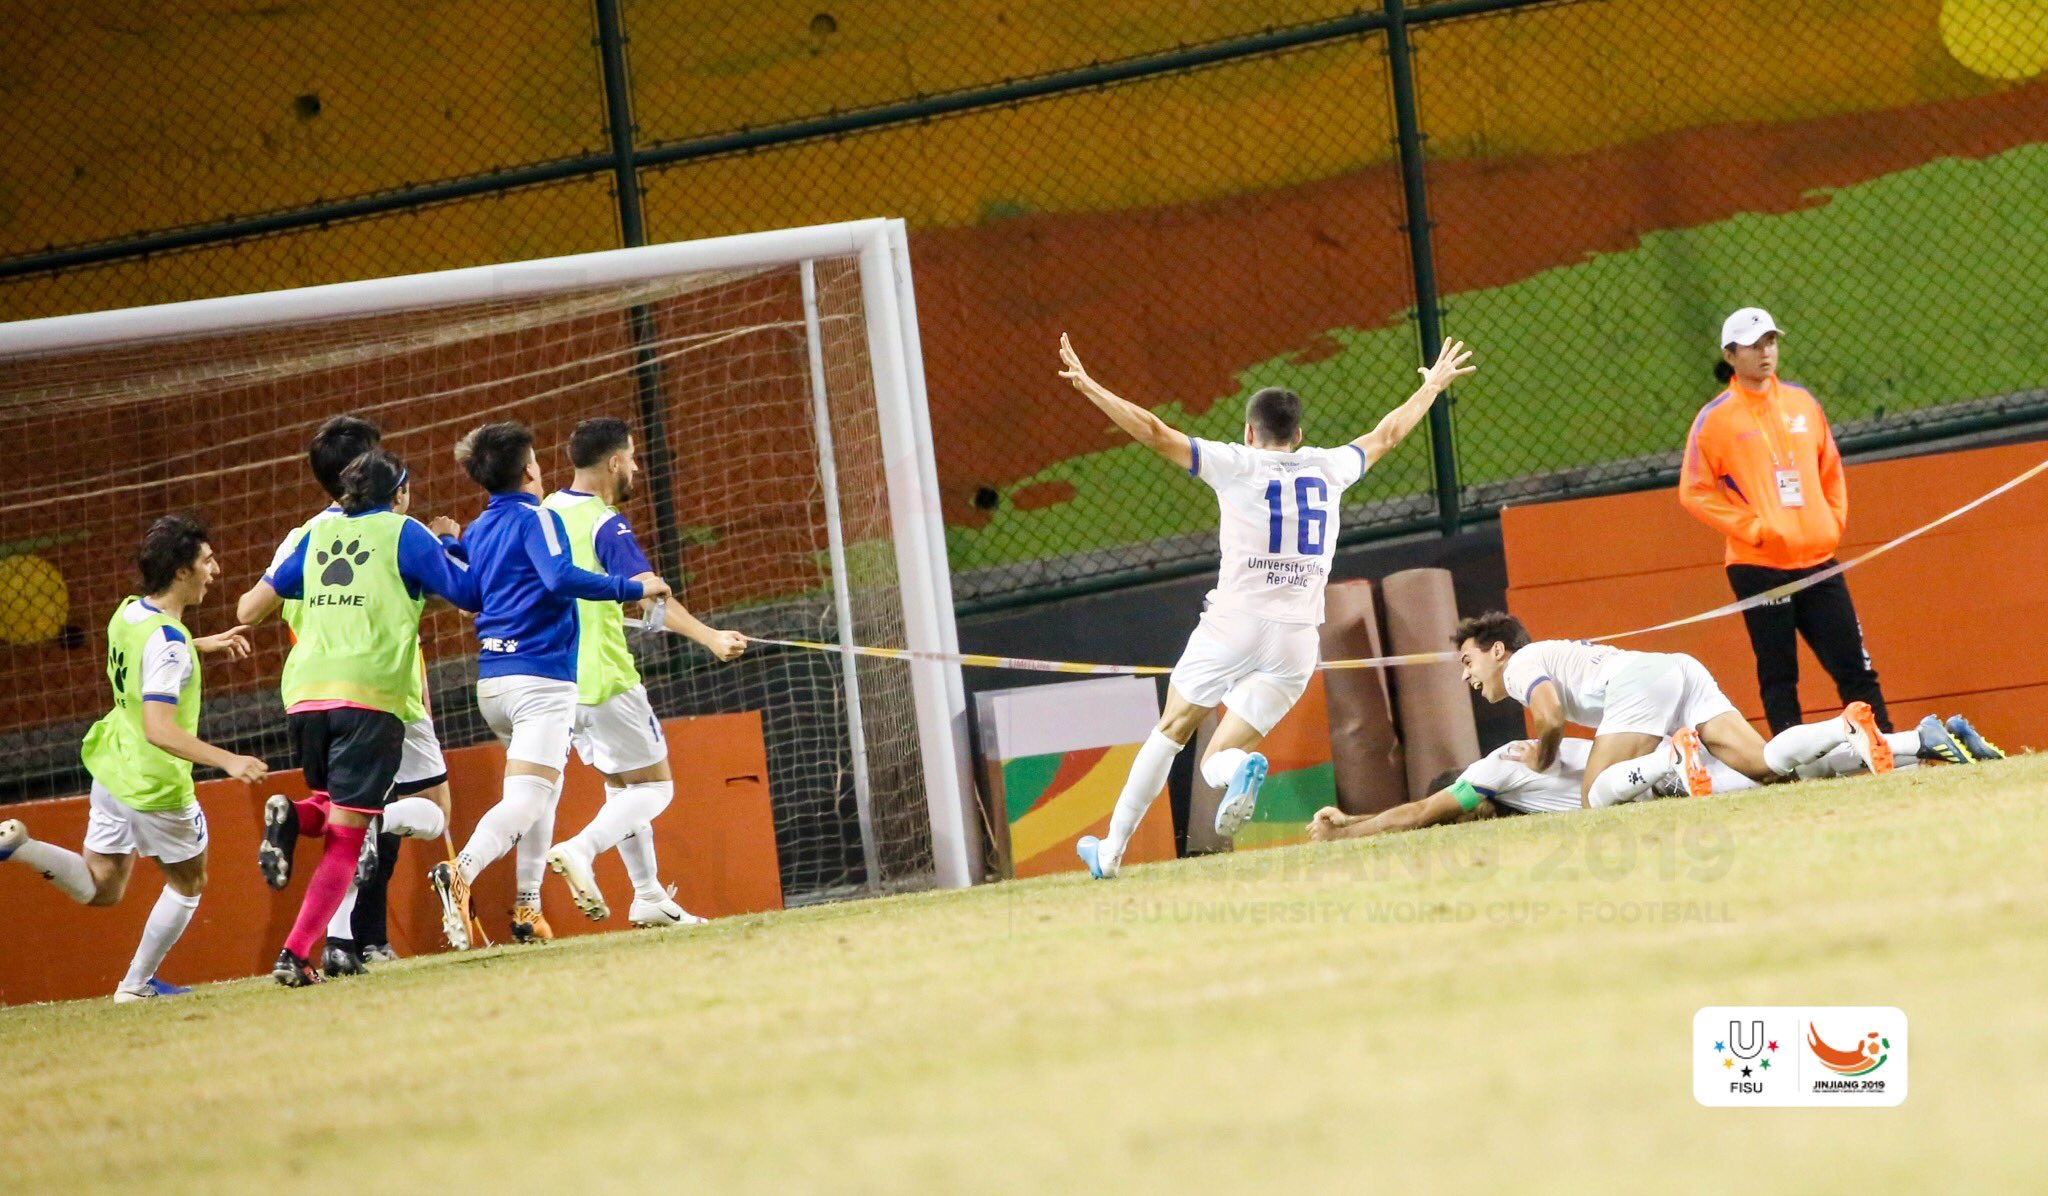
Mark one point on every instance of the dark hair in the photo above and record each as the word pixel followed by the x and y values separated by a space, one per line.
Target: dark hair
pixel 595 439
pixel 171 543
pixel 1723 372
pixel 1275 416
pixel 339 441
pixel 1493 627
pixel 1444 780
pixel 370 481
pixel 494 455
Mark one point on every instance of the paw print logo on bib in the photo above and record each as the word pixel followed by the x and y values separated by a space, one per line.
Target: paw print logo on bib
pixel 340 563
pixel 120 674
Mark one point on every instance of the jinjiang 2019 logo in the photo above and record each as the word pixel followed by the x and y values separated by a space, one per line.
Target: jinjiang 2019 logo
pixel 1791 1056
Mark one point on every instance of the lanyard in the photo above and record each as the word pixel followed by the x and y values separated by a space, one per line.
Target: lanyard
pixel 1765 427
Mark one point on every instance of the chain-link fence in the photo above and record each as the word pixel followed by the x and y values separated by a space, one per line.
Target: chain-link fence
pixel 1208 197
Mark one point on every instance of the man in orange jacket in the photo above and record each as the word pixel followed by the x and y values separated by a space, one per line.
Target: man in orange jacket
pixel 1762 469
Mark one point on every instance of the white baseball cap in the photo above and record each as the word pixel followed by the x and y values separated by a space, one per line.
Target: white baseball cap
pixel 1746 327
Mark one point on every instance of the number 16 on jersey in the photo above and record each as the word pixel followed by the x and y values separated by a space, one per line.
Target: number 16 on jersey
pixel 1310 518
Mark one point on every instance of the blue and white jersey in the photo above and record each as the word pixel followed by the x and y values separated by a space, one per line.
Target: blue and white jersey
pixel 1279 524
pixel 518 552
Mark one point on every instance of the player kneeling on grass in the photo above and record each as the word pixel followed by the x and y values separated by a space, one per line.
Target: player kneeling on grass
pixel 616 731
pixel 1256 647
pixel 141 755
pixel 1656 716
pixel 1508 778
pixel 354 674
pixel 518 552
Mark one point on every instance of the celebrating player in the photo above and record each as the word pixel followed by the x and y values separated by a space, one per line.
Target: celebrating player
pixel 616 730
pixel 526 664
pixel 420 799
pixel 141 755
pixel 353 677
pixel 1634 700
pixel 1255 647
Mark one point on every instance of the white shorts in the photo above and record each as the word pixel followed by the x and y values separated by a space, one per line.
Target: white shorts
pixel 1256 667
pixel 420 765
pixel 620 734
pixel 115 828
pixel 532 716
pixel 1656 693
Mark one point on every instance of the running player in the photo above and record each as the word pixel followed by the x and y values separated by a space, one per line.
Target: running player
pixel 353 676
pixel 420 798
pixel 141 755
pixel 1505 777
pixel 617 732
pixel 1255 647
pixel 527 635
pixel 1634 700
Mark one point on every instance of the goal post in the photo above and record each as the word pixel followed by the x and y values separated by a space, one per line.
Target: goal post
pixel 782 385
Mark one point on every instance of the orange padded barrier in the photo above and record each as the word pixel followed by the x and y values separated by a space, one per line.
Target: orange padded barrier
pixel 716 843
pixel 1951 619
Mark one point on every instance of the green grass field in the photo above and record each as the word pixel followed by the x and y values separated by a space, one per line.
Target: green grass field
pixel 1464 1009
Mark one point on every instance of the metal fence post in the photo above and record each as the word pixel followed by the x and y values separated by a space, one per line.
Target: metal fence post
pixel 1415 201
pixel 618 119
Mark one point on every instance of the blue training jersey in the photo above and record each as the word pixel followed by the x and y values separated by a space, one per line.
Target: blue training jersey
pixel 518 554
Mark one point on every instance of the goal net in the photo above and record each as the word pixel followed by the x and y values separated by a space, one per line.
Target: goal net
pixel 774 387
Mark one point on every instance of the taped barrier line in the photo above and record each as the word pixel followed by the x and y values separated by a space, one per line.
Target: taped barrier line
pixel 977 660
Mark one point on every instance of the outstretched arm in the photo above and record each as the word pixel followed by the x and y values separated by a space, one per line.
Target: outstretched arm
pixel 1144 427
pixel 1450 366
pixel 1332 823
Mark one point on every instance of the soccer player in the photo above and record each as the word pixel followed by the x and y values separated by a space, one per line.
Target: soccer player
pixel 616 730
pixel 141 755
pixel 1505 776
pixel 1634 700
pixel 1255 647
pixel 420 798
pixel 519 555
pixel 353 677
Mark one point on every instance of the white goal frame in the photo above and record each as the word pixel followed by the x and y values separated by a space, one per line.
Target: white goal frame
pixel 895 358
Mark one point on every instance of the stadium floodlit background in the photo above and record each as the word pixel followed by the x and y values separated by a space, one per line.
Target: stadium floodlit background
pixel 1209 197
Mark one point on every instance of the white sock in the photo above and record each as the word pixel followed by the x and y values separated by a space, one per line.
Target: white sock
pixel 1804 744
pixel 415 818
pixel 625 810
pixel 1844 762
pixel 1630 779
pixel 526 796
pixel 637 850
pixel 65 869
pixel 532 863
pixel 1223 765
pixel 338 926
pixel 1148 777
pixel 167 920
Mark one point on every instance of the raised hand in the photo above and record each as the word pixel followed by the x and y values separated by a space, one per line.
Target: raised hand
pixel 232 643
pixel 1450 365
pixel 1075 372
pixel 441 525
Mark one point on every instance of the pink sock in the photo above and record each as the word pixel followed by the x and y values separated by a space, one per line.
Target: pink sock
pixel 328 886
pixel 312 815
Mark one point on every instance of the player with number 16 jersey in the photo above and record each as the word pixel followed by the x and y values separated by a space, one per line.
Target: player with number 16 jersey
pixel 1256 646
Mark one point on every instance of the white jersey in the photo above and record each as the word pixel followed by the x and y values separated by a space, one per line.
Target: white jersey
pixel 1580 671
pixel 1279 524
pixel 166 659
pixel 1520 787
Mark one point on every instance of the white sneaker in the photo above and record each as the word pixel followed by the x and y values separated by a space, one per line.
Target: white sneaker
pixel 664 912
pixel 565 861
pixel 12 835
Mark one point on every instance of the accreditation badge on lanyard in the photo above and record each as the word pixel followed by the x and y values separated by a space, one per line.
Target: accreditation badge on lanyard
pixel 1790 492
pixel 1785 464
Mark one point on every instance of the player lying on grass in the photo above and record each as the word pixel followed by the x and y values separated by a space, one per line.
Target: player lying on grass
pixel 1255 647
pixel 419 804
pixel 1506 777
pixel 141 755
pixel 353 677
pixel 616 731
pixel 518 552
pixel 1655 715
